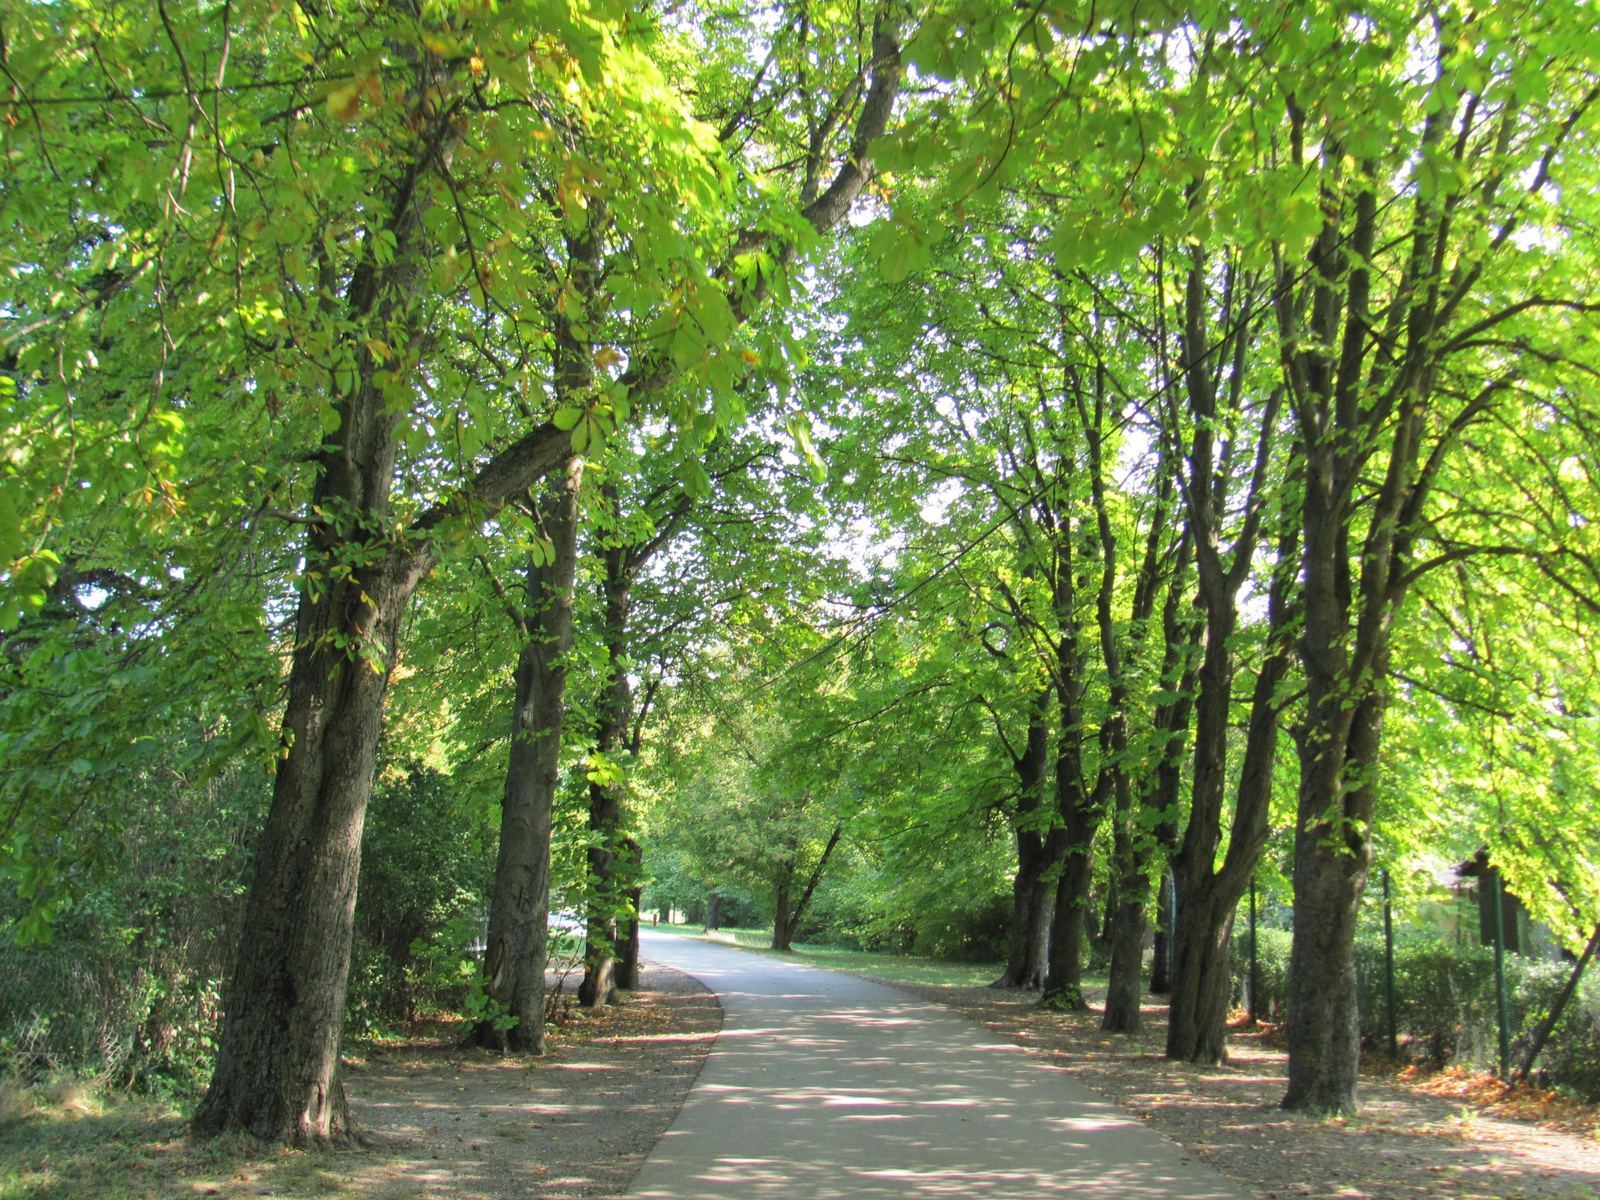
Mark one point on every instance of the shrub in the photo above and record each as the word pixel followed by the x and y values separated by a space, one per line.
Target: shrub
pixel 1272 970
pixel 128 988
pixel 873 913
pixel 1571 1059
pixel 424 871
pixel 1447 1011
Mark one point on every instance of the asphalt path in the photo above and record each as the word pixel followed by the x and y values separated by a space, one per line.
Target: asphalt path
pixel 823 1086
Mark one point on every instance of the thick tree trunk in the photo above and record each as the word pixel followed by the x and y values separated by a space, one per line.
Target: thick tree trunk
pixel 1206 894
pixel 519 913
pixel 1197 1023
pixel 1080 816
pixel 628 945
pixel 1124 993
pixel 782 933
pixel 1028 944
pixel 1161 969
pixel 1345 674
pixel 713 911
pixel 1331 860
pixel 278 1051
pixel 607 799
pixel 1063 985
pixel 1324 1028
pixel 277 1073
pixel 1038 853
pixel 1207 897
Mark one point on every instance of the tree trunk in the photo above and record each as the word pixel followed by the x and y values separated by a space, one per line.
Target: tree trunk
pixel 713 911
pixel 1080 814
pixel 605 902
pixel 816 877
pixel 1161 968
pixel 782 934
pixel 607 798
pixel 1032 911
pixel 1207 897
pixel 519 913
pixel 277 1073
pixel 1104 931
pixel 1077 810
pixel 1158 804
pixel 1197 1015
pixel 278 1051
pixel 1345 636
pixel 1331 860
pixel 628 945
pixel 1038 853
pixel 1207 894
pixel 1063 985
pixel 1123 993
pixel 1548 1025
pixel 1197 1022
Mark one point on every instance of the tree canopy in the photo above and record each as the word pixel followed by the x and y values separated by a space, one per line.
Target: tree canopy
pixel 927 471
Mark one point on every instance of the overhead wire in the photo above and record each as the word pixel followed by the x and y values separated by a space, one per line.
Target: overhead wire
pixel 867 623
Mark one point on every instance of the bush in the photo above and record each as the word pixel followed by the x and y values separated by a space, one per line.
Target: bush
pixel 1272 970
pixel 425 875
pixel 128 988
pixel 1571 1059
pixel 1443 992
pixel 1446 1008
pixel 869 912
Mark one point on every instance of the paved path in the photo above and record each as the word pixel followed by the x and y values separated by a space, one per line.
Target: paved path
pixel 823 1086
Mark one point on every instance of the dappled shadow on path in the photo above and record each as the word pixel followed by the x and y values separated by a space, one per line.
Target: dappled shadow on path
pixel 828 1088
pixel 1403 1146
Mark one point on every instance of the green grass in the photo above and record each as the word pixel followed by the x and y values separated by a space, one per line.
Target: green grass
pixel 99 1146
pixel 891 968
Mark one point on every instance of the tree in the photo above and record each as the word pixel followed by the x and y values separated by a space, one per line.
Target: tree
pixel 1218 382
pixel 754 259
pixel 445 116
pixel 751 813
pixel 514 961
pixel 1403 332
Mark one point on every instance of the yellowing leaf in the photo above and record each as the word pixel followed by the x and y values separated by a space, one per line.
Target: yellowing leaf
pixel 345 102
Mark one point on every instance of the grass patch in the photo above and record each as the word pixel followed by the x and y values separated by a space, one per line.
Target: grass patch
pixel 890 968
pixel 85 1144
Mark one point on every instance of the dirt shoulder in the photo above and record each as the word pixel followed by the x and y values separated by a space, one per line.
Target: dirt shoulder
pixel 445 1123
pixel 1404 1145
pixel 577 1122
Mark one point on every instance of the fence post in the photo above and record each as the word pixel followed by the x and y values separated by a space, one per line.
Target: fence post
pixel 1388 968
pixel 1255 973
pixel 1501 1004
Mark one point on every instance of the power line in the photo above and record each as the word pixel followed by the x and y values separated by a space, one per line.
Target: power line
pixel 880 612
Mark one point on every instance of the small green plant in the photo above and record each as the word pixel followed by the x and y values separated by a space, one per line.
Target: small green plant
pixel 448 968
